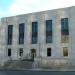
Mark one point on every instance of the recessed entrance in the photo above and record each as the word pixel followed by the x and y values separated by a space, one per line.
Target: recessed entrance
pixel 33 54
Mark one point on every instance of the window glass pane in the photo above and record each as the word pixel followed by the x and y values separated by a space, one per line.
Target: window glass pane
pixel 34 40
pixel 21 33
pixel 21 41
pixel 65 39
pixel 48 31
pixel 34 32
pixel 21 27
pixel 48 51
pixel 10 31
pixel 49 39
pixel 64 30
pixel 48 25
pixel 10 28
pixel 34 26
pixel 21 52
pixel 65 51
pixel 9 52
pixel 64 23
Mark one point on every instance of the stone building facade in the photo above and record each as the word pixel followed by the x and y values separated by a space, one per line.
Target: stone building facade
pixel 46 37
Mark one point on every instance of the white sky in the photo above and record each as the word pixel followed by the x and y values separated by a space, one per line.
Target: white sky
pixel 27 6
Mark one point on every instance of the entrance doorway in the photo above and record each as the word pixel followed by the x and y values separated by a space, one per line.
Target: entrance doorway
pixel 33 54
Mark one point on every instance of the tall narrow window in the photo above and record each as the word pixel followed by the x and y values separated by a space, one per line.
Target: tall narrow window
pixel 48 51
pixel 10 31
pixel 65 51
pixel 34 32
pixel 9 52
pixel 48 31
pixel 64 30
pixel 21 33
pixel 21 52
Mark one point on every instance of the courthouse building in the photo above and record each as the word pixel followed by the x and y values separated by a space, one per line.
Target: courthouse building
pixel 46 36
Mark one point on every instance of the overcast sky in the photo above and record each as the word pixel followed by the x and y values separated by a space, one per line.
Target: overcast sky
pixel 16 7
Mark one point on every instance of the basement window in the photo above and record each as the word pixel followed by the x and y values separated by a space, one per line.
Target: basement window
pixel 21 52
pixel 9 52
pixel 65 51
pixel 48 51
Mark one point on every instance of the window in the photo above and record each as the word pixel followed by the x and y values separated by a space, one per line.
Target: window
pixel 48 51
pixel 49 25
pixel 64 23
pixel 34 32
pixel 34 40
pixel 21 52
pixel 65 51
pixel 48 31
pixel 33 53
pixel 49 39
pixel 65 39
pixel 9 52
pixel 21 33
pixel 10 31
pixel 64 30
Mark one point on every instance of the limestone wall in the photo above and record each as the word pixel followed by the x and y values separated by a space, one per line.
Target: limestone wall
pixel 41 46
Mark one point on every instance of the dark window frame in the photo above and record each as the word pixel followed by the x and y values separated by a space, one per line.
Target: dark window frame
pixel 34 37
pixel 9 52
pixel 10 34
pixel 64 26
pixel 49 52
pixel 21 52
pixel 21 33
pixel 64 30
pixel 49 31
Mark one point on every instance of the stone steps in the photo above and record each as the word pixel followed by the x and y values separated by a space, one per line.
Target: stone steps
pixel 19 64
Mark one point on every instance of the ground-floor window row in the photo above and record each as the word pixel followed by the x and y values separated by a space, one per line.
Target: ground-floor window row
pixel 33 52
